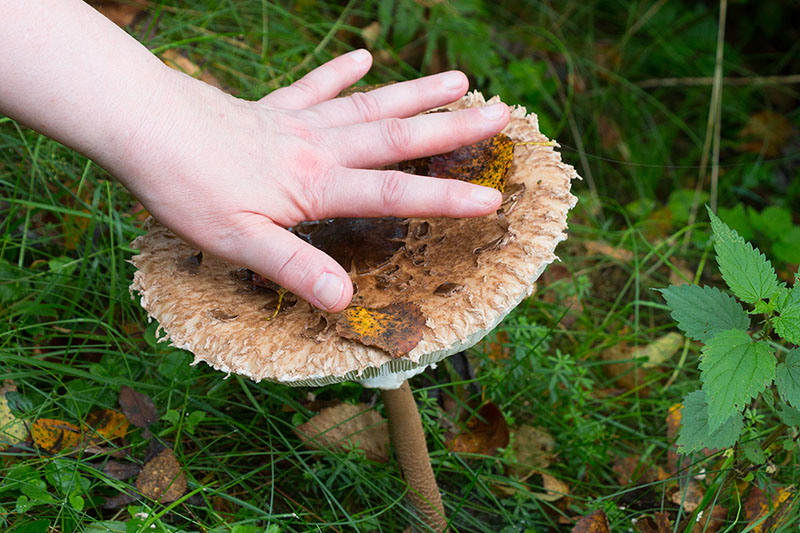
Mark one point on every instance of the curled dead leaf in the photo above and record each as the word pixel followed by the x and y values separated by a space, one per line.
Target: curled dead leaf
pixel 595 522
pixel 396 328
pixel 161 478
pixel 346 426
pixel 483 433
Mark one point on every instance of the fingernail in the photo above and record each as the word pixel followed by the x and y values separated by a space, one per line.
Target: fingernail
pixel 360 56
pixel 328 290
pixel 483 195
pixel 452 80
pixel 493 112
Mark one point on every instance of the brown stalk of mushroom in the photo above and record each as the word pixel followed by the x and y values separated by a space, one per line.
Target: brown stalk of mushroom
pixel 425 289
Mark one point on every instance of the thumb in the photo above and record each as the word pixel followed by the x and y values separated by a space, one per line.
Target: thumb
pixel 297 266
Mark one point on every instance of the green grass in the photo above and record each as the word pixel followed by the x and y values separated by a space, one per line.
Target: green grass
pixel 599 76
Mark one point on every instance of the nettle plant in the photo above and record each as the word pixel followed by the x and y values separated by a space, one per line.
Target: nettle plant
pixel 747 348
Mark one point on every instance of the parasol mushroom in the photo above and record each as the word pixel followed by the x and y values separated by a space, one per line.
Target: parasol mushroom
pixel 424 289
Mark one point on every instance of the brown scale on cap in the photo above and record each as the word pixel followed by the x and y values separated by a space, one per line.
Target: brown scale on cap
pixel 464 275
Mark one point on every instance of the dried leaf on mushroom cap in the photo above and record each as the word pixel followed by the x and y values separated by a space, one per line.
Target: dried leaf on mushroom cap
pixel 464 275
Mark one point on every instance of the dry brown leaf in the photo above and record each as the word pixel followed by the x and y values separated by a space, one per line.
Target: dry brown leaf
pixel 660 523
pixel 766 132
pixel 346 426
pixel 54 435
pixel 370 34
pixel 711 522
pixel 595 522
pixel 139 408
pixel 482 433
pixel 681 274
pixel 121 471
pixel 628 366
pixel 603 248
pixel 533 450
pixel 555 489
pixel 689 496
pixel 162 478
pixel 396 328
pixel 770 513
pixel 120 13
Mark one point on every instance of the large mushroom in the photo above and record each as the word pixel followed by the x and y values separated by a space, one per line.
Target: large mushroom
pixel 424 289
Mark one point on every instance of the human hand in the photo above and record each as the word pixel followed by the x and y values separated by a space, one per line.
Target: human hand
pixel 230 175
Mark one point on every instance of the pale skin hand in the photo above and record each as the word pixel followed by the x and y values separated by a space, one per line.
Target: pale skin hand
pixel 230 175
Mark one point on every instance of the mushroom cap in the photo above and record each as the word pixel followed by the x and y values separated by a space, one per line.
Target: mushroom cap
pixel 465 276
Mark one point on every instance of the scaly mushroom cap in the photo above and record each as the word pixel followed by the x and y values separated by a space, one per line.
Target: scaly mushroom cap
pixel 447 281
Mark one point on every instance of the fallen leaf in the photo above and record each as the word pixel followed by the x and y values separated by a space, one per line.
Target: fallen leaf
pixel 711 522
pixel 603 248
pixel 346 426
pixel 106 425
pixel 769 513
pixel 689 496
pixel 765 132
pixel 660 523
pixel 120 13
pixel 484 163
pixel 138 408
pixel 533 450
pixel 121 471
pixel 370 34
pixel 396 328
pixel 54 435
pixel 628 366
pixel 660 350
pixel 12 429
pixel 482 433
pixel 595 522
pixel 161 478
pixel 555 489
pixel 631 469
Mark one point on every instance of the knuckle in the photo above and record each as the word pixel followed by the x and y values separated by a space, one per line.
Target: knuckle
pixel 314 179
pixel 396 135
pixel 393 189
pixel 306 88
pixel 366 106
pixel 294 271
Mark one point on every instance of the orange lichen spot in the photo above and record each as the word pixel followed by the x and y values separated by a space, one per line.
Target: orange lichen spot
pixel 396 328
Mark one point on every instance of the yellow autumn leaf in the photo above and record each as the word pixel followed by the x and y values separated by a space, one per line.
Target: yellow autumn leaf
pixel 54 435
pixel 12 429
pixel 396 328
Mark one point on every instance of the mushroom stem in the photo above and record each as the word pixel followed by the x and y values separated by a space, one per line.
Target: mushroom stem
pixel 405 428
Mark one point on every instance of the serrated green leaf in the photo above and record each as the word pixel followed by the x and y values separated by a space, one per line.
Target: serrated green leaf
pixel 702 312
pixel 787 378
pixel 744 268
pixel 752 450
pixel 695 433
pixel 789 415
pixel 787 323
pixel 734 369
